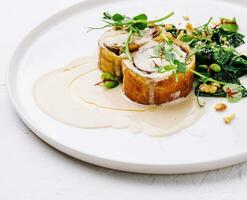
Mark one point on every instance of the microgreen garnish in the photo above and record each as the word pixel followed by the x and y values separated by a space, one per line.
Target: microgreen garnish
pixel 200 104
pixel 206 25
pixel 175 65
pixel 186 38
pixel 166 68
pixel 206 79
pixel 132 25
pixel 181 68
pixel 169 51
pixel 126 45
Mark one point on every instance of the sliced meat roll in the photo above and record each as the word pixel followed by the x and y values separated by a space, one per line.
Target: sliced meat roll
pixel 143 81
pixel 111 46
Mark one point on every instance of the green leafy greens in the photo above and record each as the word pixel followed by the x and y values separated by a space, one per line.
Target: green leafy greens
pixel 217 60
pixel 219 49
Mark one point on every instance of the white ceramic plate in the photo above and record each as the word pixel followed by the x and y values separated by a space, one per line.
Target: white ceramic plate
pixel 207 145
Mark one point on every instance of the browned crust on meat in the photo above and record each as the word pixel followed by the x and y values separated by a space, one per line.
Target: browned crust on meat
pixel 110 62
pixel 165 90
pixel 135 87
pixel 146 91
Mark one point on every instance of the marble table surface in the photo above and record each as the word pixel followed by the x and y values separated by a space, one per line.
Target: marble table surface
pixel 32 170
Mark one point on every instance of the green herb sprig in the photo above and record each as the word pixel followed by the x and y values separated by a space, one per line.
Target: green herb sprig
pixel 169 54
pixel 132 25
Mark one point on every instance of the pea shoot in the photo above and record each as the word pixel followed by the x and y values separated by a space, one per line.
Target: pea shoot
pixel 132 25
pixel 170 55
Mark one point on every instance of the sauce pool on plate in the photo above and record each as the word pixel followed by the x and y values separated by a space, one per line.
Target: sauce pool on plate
pixel 69 95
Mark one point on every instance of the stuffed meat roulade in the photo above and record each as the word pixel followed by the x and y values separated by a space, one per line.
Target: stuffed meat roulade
pixel 159 72
pixel 111 48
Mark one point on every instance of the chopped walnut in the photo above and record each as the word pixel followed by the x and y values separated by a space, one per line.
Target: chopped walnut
pixel 228 119
pixel 208 88
pixel 186 18
pixel 168 26
pixel 215 24
pixel 216 84
pixel 220 107
pixel 189 28
pixel 180 35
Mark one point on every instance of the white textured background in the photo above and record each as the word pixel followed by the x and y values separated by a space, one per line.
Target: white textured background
pixel 32 170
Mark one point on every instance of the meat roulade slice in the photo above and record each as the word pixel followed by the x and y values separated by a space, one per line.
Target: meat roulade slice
pixel 145 83
pixel 111 52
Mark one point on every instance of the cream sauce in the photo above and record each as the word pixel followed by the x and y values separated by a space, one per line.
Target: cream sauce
pixel 69 95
